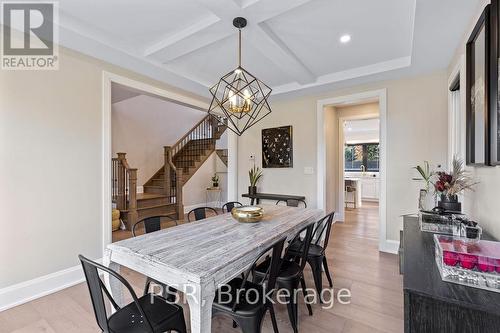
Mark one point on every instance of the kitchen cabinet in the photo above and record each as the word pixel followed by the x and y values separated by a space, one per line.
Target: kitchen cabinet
pixel 370 188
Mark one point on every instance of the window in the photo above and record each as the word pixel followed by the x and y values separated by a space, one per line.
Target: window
pixel 363 154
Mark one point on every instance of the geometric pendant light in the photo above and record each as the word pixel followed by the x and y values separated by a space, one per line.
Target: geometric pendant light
pixel 239 99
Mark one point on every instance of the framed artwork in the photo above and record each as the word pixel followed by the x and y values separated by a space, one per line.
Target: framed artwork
pixel 494 105
pixel 478 91
pixel 277 147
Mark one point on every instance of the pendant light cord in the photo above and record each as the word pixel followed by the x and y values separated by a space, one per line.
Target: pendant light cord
pixel 239 47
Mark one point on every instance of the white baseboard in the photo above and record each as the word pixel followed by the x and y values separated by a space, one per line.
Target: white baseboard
pixel 389 246
pixel 187 209
pixel 338 218
pixel 27 291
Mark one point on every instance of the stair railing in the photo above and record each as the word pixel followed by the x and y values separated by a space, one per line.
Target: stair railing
pixel 124 187
pixel 173 182
pixel 204 133
pixel 206 129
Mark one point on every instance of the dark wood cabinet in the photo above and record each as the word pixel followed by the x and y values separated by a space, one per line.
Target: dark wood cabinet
pixel 435 306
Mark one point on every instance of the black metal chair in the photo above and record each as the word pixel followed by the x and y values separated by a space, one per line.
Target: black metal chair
pixel 150 313
pixel 200 213
pixel 247 309
pixel 228 206
pixel 292 202
pixel 152 224
pixel 291 274
pixel 316 256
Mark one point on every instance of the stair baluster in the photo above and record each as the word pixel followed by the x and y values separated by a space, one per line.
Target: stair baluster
pixel 124 188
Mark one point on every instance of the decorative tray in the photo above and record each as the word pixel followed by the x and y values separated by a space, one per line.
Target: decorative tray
pixel 247 214
pixel 443 223
pixel 475 263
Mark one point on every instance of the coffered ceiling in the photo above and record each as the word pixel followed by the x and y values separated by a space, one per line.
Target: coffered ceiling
pixel 289 44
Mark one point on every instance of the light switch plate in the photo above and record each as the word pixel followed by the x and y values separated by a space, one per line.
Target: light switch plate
pixel 308 171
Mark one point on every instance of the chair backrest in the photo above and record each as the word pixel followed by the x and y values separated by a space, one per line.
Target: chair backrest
pixel 272 271
pixel 304 249
pixel 228 206
pixel 97 290
pixel 349 182
pixel 292 202
pixel 151 224
pixel 200 213
pixel 324 226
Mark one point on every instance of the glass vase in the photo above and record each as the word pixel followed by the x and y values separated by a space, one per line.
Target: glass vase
pixel 426 200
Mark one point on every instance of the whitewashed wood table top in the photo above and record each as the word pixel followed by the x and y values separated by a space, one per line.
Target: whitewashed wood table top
pixel 199 250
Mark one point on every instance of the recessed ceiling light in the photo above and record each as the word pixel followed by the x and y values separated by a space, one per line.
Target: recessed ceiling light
pixel 345 39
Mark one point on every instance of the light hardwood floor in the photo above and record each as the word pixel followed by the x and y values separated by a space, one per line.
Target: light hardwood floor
pixel 372 278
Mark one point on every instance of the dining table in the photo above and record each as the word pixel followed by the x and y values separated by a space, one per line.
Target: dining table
pixel 198 257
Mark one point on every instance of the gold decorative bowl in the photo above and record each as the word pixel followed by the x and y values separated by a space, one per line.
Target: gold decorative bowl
pixel 247 214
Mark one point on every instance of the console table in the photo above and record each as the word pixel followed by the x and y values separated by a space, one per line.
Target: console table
pixel 432 305
pixel 268 196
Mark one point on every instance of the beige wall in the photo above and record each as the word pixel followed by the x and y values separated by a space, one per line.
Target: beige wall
pixel 416 131
pixel 482 204
pixel 50 162
pixel 332 145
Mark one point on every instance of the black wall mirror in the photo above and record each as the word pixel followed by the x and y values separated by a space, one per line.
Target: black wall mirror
pixel 494 116
pixel 477 91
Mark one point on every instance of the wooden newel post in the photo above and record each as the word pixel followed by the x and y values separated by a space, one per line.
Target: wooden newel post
pixel 132 205
pixel 167 150
pixel 121 202
pixel 180 205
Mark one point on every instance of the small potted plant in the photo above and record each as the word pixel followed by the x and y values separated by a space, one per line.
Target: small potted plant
pixel 255 174
pixel 427 198
pixel 450 185
pixel 215 180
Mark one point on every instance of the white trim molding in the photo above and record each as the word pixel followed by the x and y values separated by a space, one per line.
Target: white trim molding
pixel 27 291
pixel 389 246
pixel 385 245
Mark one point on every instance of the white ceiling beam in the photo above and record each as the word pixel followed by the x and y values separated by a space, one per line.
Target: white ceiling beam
pixel 263 10
pixel 217 27
pixel 181 35
pixel 275 50
pixel 208 31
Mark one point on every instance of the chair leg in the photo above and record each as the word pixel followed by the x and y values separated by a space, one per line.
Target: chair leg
pixel 273 319
pixel 327 271
pixel 181 325
pixel 292 312
pixel 315 263
pixel 251 324
pixel 304 291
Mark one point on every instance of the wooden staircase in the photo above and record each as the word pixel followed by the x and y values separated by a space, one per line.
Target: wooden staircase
pixel 163 192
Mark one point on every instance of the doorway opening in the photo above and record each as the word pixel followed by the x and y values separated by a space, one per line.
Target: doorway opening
pixel 121 90
pixel 332 157
pixel 360 146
